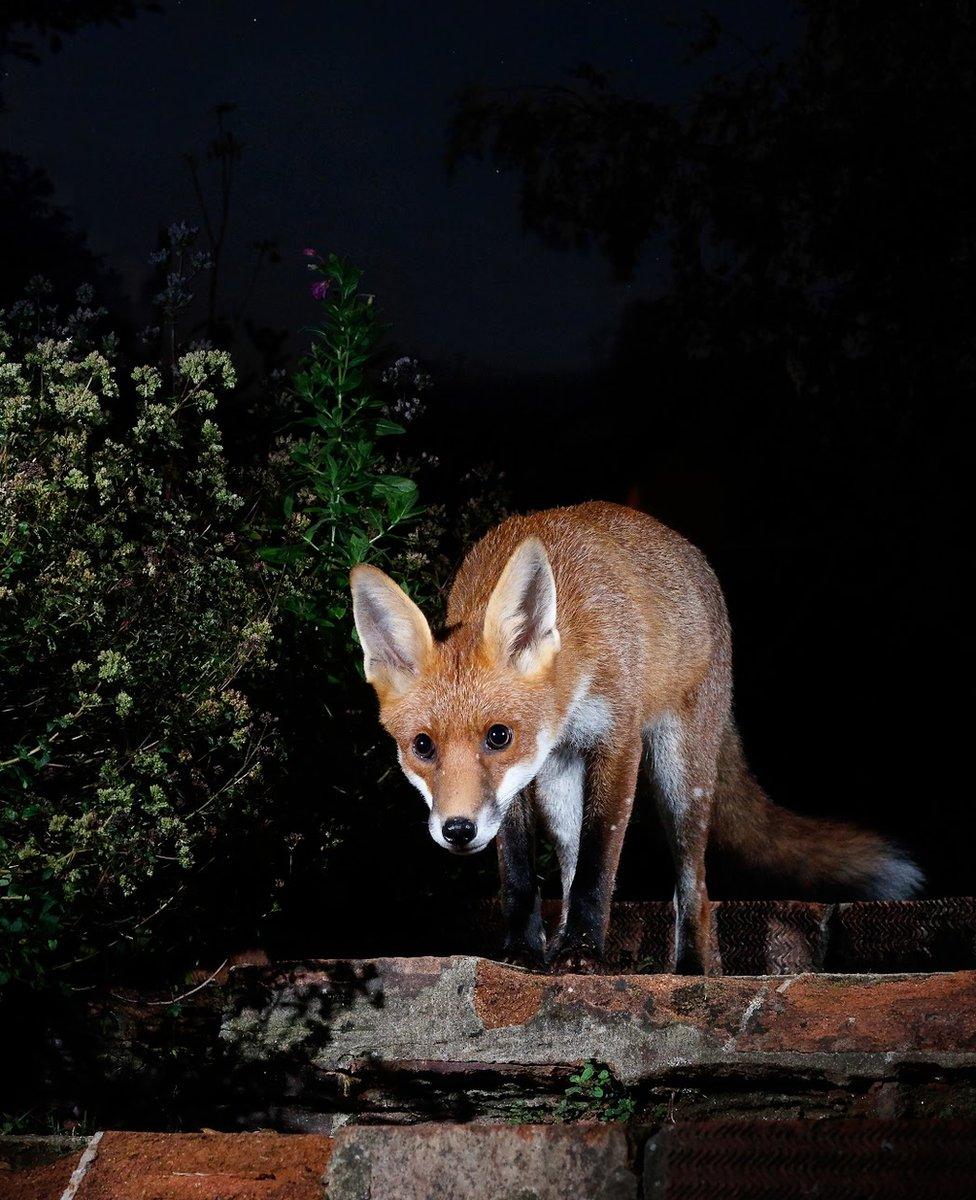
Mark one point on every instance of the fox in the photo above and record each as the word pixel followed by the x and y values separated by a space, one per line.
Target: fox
pixel 581 645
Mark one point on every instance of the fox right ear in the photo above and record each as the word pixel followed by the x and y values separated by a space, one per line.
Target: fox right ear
pixel 396 638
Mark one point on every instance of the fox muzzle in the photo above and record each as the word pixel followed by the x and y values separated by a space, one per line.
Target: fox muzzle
pixel 463 835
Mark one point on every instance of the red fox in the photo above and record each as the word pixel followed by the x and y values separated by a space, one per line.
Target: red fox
pixel 581 642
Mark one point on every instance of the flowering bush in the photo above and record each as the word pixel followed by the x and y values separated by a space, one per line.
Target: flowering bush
pixel 135 628
pixel 156 611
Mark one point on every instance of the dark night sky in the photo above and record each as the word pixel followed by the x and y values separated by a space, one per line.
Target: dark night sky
pixel 343 110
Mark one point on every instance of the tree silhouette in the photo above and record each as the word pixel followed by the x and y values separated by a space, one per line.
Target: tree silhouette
pixel 29 27
pixel 37 236
pixel 816 208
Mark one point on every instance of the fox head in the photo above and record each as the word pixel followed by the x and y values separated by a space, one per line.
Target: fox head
pixel 473 713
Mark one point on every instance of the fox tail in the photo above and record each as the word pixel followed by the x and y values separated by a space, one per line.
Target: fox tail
pixel 821 856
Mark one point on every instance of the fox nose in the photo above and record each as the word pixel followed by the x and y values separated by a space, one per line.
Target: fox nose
pixel 458 830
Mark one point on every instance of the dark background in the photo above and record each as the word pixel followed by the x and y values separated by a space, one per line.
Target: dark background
pixel 725 272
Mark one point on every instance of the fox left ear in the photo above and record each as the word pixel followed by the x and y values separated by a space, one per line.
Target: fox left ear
pixel 520 620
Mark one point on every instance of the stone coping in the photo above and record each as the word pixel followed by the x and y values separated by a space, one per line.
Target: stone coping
pixel 301 1046
pixel 355 1016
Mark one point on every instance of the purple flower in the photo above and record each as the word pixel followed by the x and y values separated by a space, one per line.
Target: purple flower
pixel 310 252
pixel 319 289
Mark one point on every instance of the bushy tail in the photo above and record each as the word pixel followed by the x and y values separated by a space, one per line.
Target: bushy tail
pixel 822 857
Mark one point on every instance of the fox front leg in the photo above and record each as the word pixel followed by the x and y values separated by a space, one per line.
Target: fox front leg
pixel 521 910
pixel 612 783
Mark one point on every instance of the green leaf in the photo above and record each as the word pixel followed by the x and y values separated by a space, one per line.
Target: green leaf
pixel 358 548
pixel 396 483
pixel 386 427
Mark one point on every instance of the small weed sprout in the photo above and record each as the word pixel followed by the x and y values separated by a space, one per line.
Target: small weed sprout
pixel 594 1094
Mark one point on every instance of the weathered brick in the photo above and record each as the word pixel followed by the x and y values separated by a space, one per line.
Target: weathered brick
pixel 37 1168
pixel 481 1162
pixel 855 1159
pixel 904 935
pixel 772 937
pixel 207 1166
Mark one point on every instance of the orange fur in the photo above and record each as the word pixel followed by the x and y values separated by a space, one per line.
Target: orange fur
pixel 597 636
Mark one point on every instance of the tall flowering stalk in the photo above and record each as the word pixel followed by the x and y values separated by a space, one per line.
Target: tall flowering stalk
pixel 343 502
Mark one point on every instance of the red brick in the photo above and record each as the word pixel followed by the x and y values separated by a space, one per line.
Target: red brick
pixel 37 1168
pixel 207 1166
pixel 850 1159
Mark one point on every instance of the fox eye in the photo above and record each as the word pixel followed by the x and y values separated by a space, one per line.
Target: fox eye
pixel 498 737
pixel 423 746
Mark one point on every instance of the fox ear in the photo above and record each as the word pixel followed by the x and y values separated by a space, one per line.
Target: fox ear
pixel 396 638
pixel 520 620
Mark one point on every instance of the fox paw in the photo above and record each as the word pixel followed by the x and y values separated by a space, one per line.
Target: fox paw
pixel 574 954
pixel 523 954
